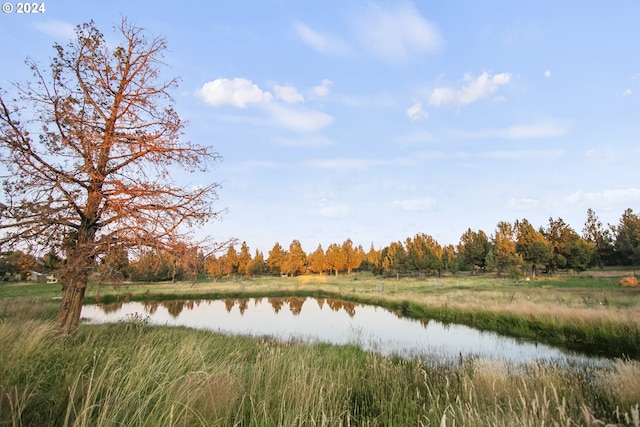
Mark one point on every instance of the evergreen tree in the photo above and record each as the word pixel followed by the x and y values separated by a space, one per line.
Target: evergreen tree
pixel 473 249
pixel 504 256
pixel 295 260
pixel 244 259
pixel 317 261
pixel 335 258
pixel 601 239
pixel 532 245
pixel 627 239
pixel 276 259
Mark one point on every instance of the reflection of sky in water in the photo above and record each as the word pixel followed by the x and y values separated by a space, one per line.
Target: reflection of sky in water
pixel 370 327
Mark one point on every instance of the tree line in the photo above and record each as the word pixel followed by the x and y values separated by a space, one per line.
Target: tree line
pixel 513 248
pixel 516 248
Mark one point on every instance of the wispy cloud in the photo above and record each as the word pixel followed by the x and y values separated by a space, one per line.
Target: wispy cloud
pixel 542 129
pixel 320 42
pixel 331 209
pixel 298 119
pixel 522 203
pixel 606 198
pixel 305 141
pixel 472 90
pixel 56 29
pixel 417 112
pixel 394 35
pixel 415 205
pixel 250 166
pixel 341 163
pixel 522 154
pixel 322 89
pixel 288 94
pixel 414 138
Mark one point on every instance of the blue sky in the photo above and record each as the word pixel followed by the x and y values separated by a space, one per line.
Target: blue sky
pixel 377 120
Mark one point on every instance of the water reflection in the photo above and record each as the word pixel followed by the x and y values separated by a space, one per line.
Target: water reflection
pixel 333 321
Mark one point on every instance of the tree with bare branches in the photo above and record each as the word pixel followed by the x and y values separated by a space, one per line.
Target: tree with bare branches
pixel 92 146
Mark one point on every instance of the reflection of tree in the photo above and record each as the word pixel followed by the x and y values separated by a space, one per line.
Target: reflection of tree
pixel 229 303
pixel 150 307
pixel 425 322
pixel 337 305
pixel 349 307
pixel 257 301
pixel 295 304
pixel 110 308
pixel 243 304
pixel 174 307
pixel 189 305
pixel 276 303
pixel 320 302
pixel 334 304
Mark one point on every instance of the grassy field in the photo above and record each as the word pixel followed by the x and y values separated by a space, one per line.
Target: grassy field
pixel 132 374
pixel 591 313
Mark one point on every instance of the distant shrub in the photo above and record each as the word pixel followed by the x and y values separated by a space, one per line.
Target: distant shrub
pixel 629 281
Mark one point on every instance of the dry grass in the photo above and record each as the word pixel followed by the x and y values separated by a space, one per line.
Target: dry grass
pixel 109 375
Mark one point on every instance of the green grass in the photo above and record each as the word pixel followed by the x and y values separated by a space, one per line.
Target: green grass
pixel 137 375
pixel 29 289
pixel 593 314
pixel 132 374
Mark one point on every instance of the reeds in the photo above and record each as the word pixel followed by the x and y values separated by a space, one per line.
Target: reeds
pixel 118 375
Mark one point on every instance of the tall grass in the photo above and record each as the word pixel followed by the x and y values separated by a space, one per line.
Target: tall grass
pixel 131 374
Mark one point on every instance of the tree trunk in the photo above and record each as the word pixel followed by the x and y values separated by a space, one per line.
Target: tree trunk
pixel 68 317
pixel 74 278
pixel 533 271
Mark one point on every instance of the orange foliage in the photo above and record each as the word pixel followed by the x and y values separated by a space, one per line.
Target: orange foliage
pixel 629 281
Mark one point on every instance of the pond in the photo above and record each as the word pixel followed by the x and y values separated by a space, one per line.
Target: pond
pixel 331 321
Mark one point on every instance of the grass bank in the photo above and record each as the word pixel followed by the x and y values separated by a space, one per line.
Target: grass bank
pixel 593 315
pixel 131 374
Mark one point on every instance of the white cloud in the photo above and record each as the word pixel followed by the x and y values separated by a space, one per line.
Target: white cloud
pixel 301 120
pixel 417 137
pixel 321 42
pixel 523 154
pixel 288 94
pixel 547 73
pixel 396 35
pixel 57 29
pixel 472 90
pixel 416 112
pixel 322 89
pixel 423 204
pixel 332 209
pixel 241 93
pixel 607 198
pixel 542 129
pixel 522 203
pixel 250 166
pixel 627 92
pixel 238 92
pixel 308 141
pixel 341 163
